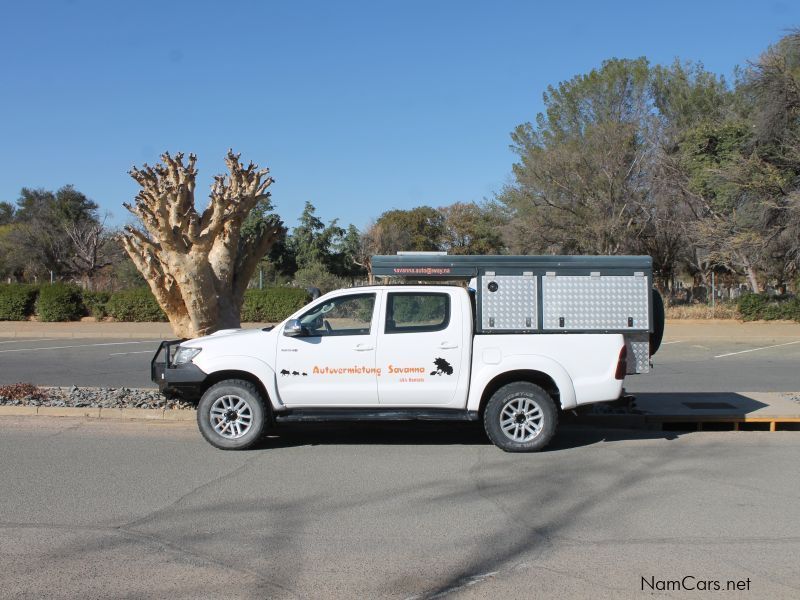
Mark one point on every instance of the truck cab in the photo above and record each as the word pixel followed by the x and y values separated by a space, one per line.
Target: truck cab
pixel 400 352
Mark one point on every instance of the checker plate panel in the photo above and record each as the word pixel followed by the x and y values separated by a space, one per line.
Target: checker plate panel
pixel 512 307
pixel 595 302
pixel 641 356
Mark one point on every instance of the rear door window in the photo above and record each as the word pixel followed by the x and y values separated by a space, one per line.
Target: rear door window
pixel 412 312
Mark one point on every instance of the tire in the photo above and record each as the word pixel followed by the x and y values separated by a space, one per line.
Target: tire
pixel 658 322
pixel 232 415
pixel 514 401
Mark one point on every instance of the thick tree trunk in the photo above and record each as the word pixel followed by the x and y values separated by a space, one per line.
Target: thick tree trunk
pixel 197 265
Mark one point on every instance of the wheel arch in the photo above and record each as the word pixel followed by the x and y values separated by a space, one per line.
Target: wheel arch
pixel 223 375
pixel 540 378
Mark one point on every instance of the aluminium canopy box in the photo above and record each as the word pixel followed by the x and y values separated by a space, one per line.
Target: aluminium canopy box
pixel 547 294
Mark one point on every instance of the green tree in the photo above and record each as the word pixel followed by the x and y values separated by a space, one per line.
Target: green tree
pixel 685 96
pixel 261 220
pixel 36 244
pixel 6 213
pixel 772 168
pixel 346 257
pixel 579 183
pixel 60 234
pixel 312 242
pixel 470 228
pixel 417 229
pixel 739 169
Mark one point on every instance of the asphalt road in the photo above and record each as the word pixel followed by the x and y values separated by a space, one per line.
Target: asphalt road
pixel 685 363
pixel 99 509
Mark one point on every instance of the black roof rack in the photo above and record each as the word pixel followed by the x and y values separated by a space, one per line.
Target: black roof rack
pixel 439 266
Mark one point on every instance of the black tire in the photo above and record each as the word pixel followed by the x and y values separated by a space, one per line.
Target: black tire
pixel 658 322
pixel 232 391
pixel 518 394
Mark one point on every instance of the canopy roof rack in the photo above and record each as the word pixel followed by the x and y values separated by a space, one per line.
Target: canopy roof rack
pixel 425 265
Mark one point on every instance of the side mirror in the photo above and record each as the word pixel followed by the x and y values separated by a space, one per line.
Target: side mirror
pixel 294 328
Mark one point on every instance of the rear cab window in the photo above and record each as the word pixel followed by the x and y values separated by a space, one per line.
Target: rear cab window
pixel 417 312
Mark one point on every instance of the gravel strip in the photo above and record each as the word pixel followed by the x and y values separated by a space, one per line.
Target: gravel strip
pixel 98 398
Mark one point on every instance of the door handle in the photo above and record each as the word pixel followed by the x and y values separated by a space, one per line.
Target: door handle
pixel 447 346
pixel 363 348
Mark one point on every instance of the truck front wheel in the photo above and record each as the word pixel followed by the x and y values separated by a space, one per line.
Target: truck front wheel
pixel 232 415
pixel 520 417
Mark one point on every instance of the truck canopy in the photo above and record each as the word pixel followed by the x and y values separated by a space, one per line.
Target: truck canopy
pixel 546 294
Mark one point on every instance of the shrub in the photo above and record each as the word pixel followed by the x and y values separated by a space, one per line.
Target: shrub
pixel 272 305
pixel 59 302
pixel 791 309
pixel 17 301
pixel 95 303
pixel 317 275
pixel 21 391
pixel 753 307
pixel 137 304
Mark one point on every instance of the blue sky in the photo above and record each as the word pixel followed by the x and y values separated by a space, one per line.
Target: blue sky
pixel 358 107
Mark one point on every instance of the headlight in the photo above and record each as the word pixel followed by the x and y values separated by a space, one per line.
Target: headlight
pixel 184 355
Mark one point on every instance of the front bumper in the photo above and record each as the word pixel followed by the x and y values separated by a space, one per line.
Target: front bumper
pixel 183 381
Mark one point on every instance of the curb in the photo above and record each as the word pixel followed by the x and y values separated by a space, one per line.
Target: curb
pixel 124 414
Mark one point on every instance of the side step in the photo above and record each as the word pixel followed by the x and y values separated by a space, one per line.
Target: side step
pixel 295 415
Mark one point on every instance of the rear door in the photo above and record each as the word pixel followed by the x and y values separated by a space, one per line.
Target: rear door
pixel 420 348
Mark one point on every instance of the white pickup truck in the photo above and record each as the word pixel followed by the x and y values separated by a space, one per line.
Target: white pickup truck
pixel 432 352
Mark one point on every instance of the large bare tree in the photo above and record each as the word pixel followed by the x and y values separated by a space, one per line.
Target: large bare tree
pixel 198 265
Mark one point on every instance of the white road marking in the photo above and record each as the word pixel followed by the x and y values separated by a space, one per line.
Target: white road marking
pixel 29 340
pixel 756 349
pixel 126 353
pixel 675 342
pixel 76 346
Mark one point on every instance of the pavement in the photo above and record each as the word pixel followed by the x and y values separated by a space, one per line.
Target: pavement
pixel 100 509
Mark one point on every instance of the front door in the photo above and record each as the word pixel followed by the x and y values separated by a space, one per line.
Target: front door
pixel 333 363
pixel 420 350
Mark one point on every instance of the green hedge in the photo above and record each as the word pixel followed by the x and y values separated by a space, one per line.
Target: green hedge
pixel 17 301
pixel 757 307
pixel 59 302
pixel 272 305
pixel 136 305
pixel 95 303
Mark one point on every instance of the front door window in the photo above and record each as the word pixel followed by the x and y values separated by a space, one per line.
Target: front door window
pixel 333 362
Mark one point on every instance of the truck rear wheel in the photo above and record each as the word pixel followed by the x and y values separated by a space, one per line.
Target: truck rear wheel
pixel 520 417
pixel 232 415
